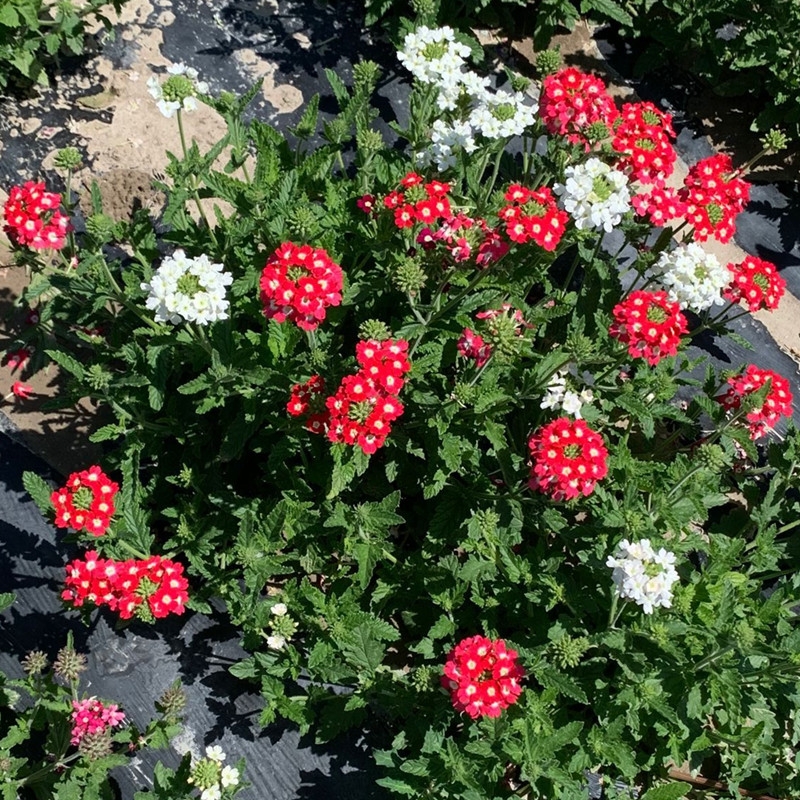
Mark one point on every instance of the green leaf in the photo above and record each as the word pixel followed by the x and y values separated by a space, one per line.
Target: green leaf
pixel 8 16
pixel 67 363
pixel 667 791
pixel 39 491
pixel 6 600
pixel 397 786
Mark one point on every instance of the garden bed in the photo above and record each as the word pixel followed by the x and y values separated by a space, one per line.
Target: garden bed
pixel 121 131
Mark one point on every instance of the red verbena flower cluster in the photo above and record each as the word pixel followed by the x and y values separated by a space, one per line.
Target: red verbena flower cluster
pixel 152 587
pixel 91 716
pixel 643 136
pixel 303 397
pixel 649 325
pixel 417 201
pixel 33 219
pixel 473 347
pixel 464 237
pixel 571 101
pixel 714 195
pixel 366 203
pixel 660 205
pixel 86 502
pixel 777 403
pixel 299 283
pixel 366 403
pixel 567 459
pixel 757 282
pixel 482 676
pixel 533 214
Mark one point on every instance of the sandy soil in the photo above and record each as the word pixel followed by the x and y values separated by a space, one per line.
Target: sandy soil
pixel 136 134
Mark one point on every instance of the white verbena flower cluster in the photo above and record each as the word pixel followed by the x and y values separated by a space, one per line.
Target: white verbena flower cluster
pixel 557 396
pixel 643 575
pixel 595 194
pixel 432 55
pixel 190 289
pixel 692 277
pixel 210 777
pixel 470 108
pixel 179 90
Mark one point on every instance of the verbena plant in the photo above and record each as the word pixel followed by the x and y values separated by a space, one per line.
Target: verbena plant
pixel 413 413
pixel 33 34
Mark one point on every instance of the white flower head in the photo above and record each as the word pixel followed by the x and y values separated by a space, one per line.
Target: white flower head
pixel 558 396
pixel 643 575
pixel 595 195
pixel 179 90
pixel 501 114
pixel 229 777
pixel 215 753
pixel 692 277
pixel 276 642
pixel 213 792
pixel 432 55
pixel 188 289
pixel 446 140
pixel 279 609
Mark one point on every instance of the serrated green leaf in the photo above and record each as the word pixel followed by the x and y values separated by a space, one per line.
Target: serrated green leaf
pixel 39 491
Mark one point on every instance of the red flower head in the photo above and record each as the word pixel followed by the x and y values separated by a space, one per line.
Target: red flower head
pixel 482 676
pixel 533 214
pixel 649 324
pixel 571 101
pixel 568 458
pixel 303 394
pixel 366 403
pixel 86 502
pixel 659 205
pixel 643 137
pixel 148 588
pixel 777 403
pixel 472 346
pixel 366 203
pixel 714 195
pixel 32 218
pixel 299 283
pixel 757 282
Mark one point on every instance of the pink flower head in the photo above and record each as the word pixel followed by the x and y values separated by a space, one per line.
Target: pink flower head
pixel 92 716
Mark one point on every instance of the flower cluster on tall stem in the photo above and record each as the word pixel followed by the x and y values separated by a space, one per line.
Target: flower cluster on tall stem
pixel 147 588
pixel 649 324
pixel 86 502
pixel 299 283
pixel 482 676
pixel 644 575
pixel 568 458
pixel 777 403
pixel 32 218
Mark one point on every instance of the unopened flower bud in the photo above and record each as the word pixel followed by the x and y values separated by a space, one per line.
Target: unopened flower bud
pixel 69 664
pixel 68 158
pixel 34 663
pixel 548 62
pixel 374 329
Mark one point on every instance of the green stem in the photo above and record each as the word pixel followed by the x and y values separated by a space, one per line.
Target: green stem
pixel 708 660
pixel 195 195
